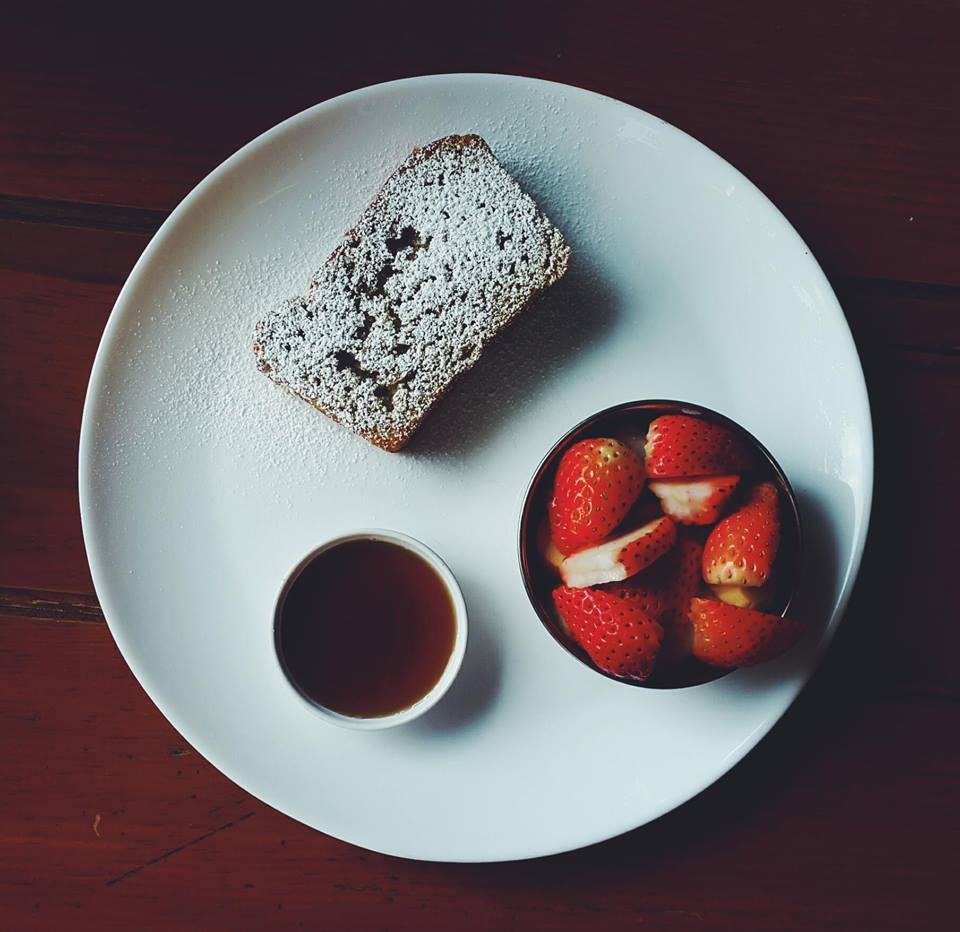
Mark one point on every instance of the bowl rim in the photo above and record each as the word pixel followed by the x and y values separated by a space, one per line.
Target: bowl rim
pixel 454 661
pixel 673 406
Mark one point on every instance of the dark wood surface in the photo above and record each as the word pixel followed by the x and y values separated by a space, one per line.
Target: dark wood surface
pixel 845 817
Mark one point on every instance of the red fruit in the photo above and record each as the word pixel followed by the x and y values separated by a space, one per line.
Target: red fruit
pixel 694 501
pixel 621 557
pixel 612 627
pixel 596 483
pixel 651 597
pixel 679 445
pixel 727 636
pixel 742 547
pixel 681 571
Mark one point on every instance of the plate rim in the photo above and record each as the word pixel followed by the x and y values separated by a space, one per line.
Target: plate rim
pixel 98 380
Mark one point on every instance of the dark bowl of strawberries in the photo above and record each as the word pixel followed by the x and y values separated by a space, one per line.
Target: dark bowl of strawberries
pixel 660 545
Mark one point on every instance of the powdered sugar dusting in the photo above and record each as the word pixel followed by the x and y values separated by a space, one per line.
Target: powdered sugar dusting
pixel 205 395
pixel 449 252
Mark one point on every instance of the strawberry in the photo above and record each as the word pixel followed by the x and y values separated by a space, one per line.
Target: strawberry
pixel 621 557
pixel 728 636
pixel 678 446
pixel 694 501
pixel 612 627
pixel 742 547
pixel 596 483
pixel 649 596
pixel 681 572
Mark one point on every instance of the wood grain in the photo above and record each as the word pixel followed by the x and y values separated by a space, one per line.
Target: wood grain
pixel 88 216
pixel 844 817
pixel 60 284
pixel 64 280
pixel 74 607
pixel 842 112
pixel 107 811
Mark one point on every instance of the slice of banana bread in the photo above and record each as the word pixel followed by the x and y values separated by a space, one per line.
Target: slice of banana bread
pixel 448 253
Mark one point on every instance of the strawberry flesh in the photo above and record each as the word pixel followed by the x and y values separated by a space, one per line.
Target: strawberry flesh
pixel 619 558
pixel 695 501
pixel 746 596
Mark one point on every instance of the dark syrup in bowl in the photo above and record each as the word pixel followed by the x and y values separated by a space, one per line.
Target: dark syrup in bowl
pixel 366 628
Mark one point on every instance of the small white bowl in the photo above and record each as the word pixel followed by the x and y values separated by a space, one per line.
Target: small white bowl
pixel 453 662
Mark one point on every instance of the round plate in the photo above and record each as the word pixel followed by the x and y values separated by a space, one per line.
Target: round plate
pixel 202 483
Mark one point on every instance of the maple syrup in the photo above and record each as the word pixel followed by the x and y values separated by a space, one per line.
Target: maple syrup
pixel 366 628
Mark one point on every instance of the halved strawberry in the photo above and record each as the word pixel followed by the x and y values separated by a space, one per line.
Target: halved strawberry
pixel 680 445
pixel 727 636
pixel 694 501
pixel 612 627
pixel 742 547
pixel 621 557
pixel 596 483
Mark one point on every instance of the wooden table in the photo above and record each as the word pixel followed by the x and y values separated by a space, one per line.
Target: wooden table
pixel 845 817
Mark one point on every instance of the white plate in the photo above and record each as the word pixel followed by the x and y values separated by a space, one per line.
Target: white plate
pixel 202 483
